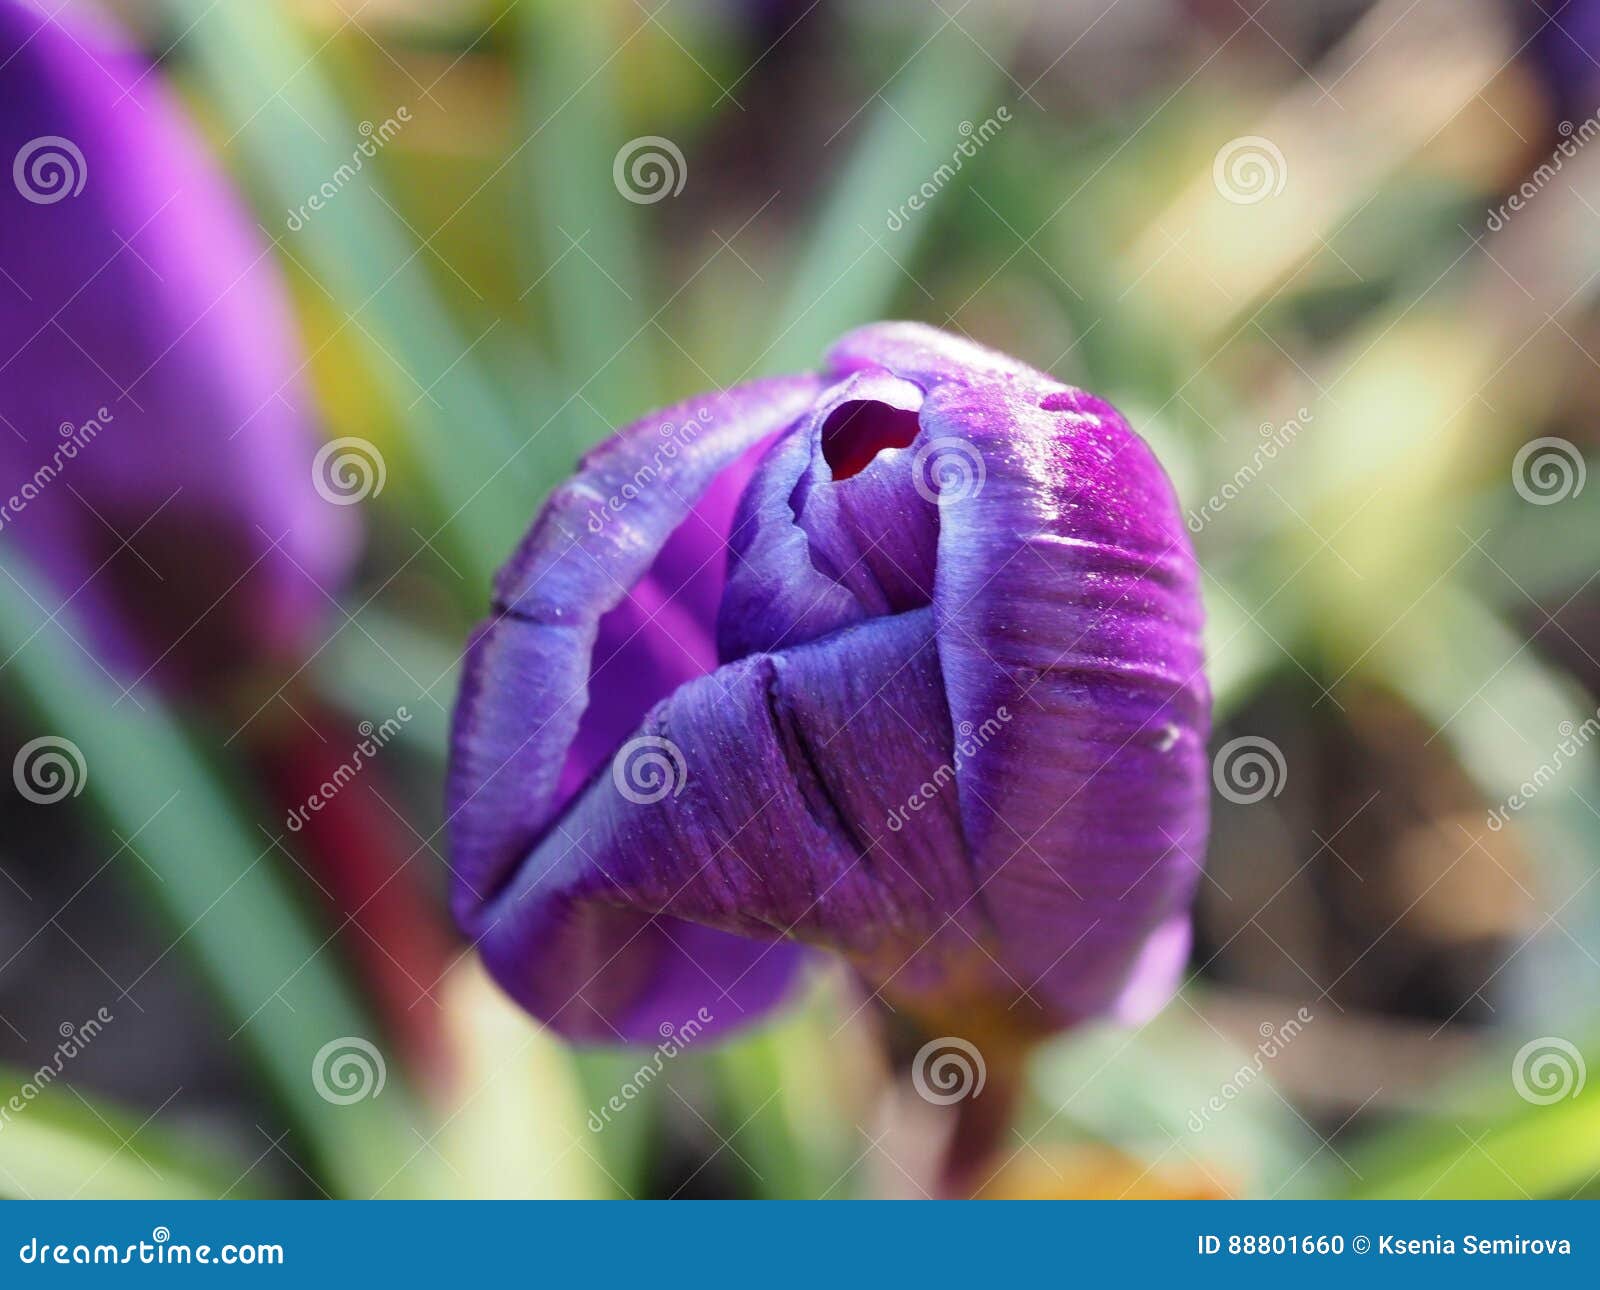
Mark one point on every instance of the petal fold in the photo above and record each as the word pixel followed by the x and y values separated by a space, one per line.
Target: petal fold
pixel 601 542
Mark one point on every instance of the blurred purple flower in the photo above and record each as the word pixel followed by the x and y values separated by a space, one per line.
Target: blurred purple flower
pixel 1564 39
pixel 155 456
pixel 901 660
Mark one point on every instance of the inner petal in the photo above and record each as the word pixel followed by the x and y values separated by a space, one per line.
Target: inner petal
pixel 797 571
pixel 857 431
pixel 660 634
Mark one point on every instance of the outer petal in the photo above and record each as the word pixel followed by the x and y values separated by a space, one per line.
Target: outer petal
pixel 150 295
pixel 789 767
pixel 1066 594
pixel 923 354
pixel 636 535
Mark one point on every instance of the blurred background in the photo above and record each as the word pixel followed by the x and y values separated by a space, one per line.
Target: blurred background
pixel 1336 261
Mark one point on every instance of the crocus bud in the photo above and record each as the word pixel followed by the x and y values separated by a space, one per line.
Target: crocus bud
pixel 901 660
pixel 155 456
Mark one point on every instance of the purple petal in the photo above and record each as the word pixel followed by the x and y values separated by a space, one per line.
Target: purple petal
pixel 145 302
pixel 922 354
pixel 1066 597
pixel 798 572
pixel 1564 43
pixel 784 769
pixel 577 650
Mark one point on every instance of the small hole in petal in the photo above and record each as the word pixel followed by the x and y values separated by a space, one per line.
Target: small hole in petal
pixel 858 431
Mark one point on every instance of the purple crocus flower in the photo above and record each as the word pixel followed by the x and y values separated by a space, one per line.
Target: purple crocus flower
pixel 901 660
pixel 155 457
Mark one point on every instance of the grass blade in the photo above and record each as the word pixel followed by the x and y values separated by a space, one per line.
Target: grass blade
pixel 62 1145
pixel 288 122
pixel 213 883
pixel 848 271
pixel 589 262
